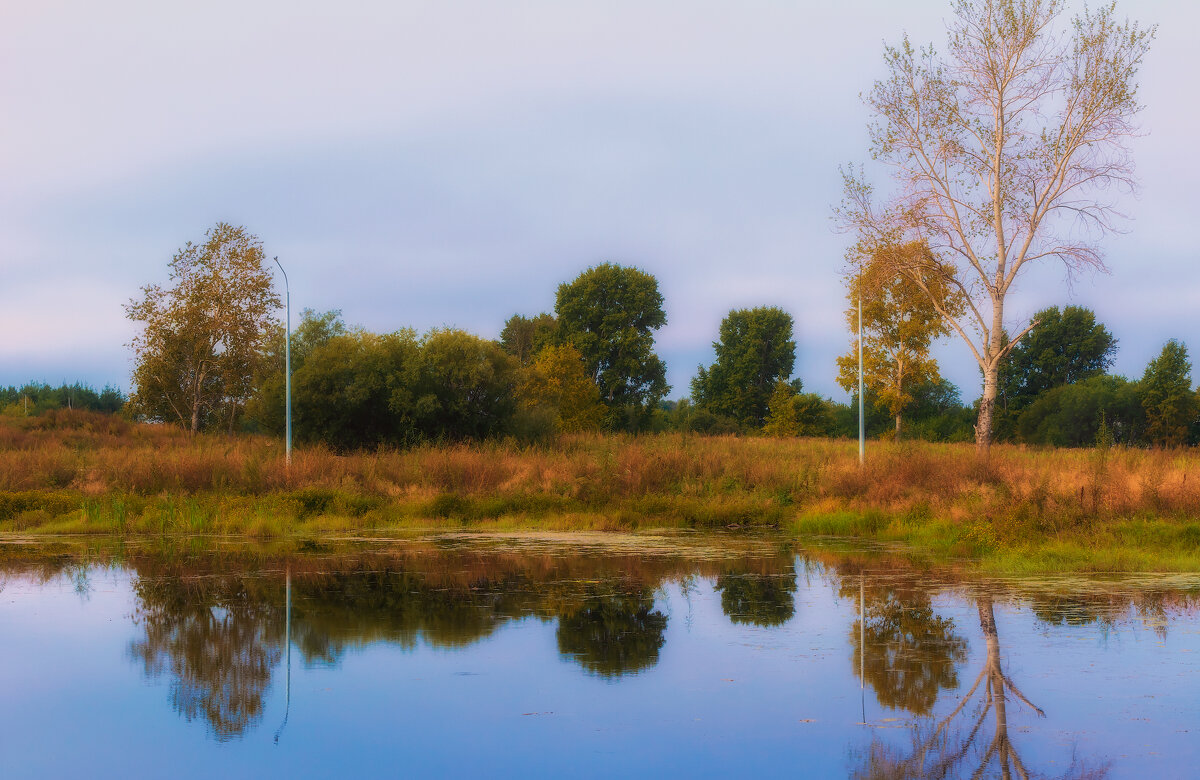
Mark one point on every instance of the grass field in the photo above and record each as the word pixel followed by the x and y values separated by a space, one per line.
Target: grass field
pixel 1021 510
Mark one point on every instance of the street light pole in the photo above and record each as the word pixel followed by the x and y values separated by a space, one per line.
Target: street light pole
pixel 287 359
pixel 862 431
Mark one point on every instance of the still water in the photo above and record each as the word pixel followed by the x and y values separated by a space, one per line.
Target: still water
pixel 584 656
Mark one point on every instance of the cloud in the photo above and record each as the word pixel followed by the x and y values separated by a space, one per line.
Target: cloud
pixel 430 163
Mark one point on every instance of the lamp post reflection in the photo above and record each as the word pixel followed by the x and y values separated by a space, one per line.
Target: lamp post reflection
pixel 287 640
pixel 862 643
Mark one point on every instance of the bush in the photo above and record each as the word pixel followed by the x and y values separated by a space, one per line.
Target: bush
pixel 1071 415
pixel 704 421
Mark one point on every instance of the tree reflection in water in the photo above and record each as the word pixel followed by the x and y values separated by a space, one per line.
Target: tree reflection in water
pixel 346 609
pixel 211 623
pixel 217 636
pixel 912 653
pixel 218 651
pixel 959 745
pixel 759 599
pixel 614 634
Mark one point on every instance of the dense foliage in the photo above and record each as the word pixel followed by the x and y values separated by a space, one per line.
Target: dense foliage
pixel 523 337
pixel 1167 397
pixel 609 313
pixel 755 350
pixel 1062 348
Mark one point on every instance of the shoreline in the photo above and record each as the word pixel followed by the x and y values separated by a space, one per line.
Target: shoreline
pixel 1022 510
pixel 1133 545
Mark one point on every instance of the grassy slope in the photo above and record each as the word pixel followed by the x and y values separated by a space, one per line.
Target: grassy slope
pixel 1021 511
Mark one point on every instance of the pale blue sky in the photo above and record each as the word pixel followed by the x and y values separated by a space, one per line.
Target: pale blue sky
pixel 449 163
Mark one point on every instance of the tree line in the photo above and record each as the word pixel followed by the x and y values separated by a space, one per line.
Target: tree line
pixel 211 356
pixel 36 398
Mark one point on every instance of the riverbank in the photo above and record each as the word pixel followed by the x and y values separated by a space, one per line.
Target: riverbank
pixel 1020 511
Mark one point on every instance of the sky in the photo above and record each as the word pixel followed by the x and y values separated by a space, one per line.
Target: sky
pixel 450 163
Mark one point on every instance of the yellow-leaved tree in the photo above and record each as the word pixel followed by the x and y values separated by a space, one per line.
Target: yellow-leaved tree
pixel 203 337
pixel 558 381
pixel 900 320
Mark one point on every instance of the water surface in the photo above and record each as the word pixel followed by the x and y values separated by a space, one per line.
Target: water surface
pixel 584 655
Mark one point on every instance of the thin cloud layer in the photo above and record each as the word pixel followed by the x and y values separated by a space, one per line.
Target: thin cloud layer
pixel 422 164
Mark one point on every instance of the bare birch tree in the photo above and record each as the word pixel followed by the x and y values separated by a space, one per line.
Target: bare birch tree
pixel 1008 150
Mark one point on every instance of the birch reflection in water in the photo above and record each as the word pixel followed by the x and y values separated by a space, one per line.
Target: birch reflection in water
pixel 218 652
pixel 960 745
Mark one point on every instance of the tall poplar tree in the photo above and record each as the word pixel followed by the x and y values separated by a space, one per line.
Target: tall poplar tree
pixel 1004 152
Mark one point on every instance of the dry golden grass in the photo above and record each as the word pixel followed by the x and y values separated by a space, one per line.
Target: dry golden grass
pixel 95 455
pixel 80 472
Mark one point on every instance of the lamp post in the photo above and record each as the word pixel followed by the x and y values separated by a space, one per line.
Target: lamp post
pixel 862 430
pixel 287 359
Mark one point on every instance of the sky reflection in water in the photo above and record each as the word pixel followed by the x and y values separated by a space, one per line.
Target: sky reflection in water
pixel 456 656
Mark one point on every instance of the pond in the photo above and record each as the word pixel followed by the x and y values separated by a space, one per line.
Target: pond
pixel 584 656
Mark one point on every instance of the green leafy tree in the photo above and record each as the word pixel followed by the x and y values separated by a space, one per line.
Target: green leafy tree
pixel 203 336
pixel 782 417
pixel 1072 415
pixel 267 406
pixel 357 390
pixel 901 317
pixel 816 414
pixel 1062 348
pixel 466 388
pixel 754 351
pixel 792 412
pixel 938 414
pixel 524 337
pixel 1168 398
pixel 609 313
